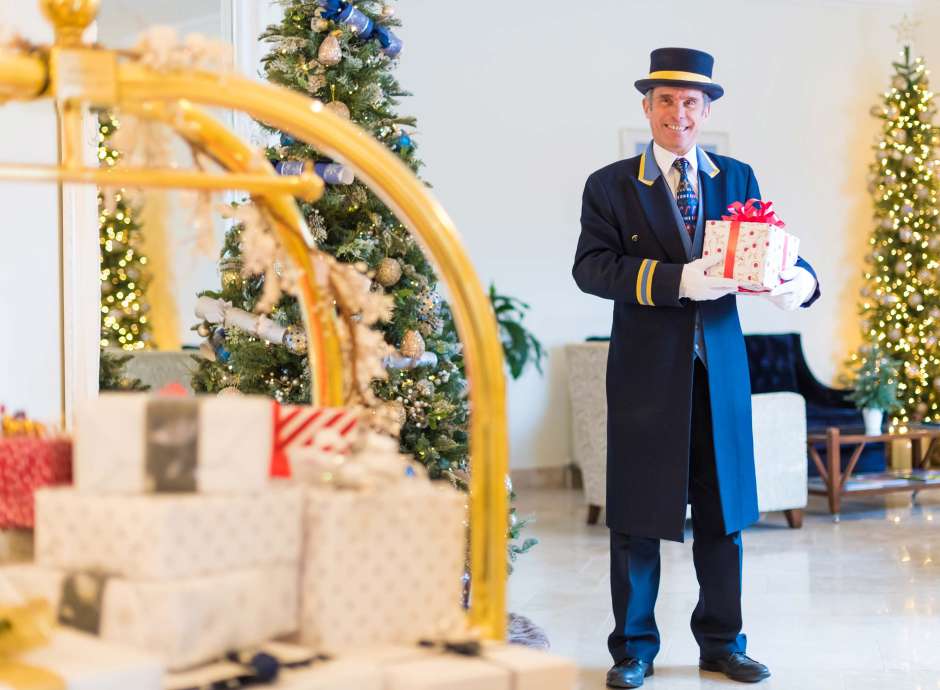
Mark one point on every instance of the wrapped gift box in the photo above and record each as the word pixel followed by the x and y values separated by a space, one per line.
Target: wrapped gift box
pixel 134 443
pixel 184 621
pixel 382 566
pixel 27 464
pixel 532 669
pixel 447 672
pixel 322 675
pixel 87 663
pixel 753 253
pixel 167 535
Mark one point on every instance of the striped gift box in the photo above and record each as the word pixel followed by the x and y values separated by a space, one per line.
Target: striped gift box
pixel 325 429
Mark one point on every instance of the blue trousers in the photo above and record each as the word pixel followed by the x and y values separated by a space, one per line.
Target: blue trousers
pixel 635 566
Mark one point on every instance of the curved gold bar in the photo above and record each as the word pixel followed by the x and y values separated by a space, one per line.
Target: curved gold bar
pixel 408 197
pixel 228 150
pixel 21 77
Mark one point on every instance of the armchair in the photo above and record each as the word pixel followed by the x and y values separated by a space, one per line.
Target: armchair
pixel 777 364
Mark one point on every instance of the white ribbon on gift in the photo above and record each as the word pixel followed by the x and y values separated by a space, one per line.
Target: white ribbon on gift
pixel 375 464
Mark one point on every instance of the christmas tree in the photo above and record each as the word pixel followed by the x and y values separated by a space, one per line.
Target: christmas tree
pixel 124 321
pixel 900 304
pixel 344 55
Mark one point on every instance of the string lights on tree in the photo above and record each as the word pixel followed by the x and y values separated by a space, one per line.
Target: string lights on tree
pixel 124 321
pixel 900 300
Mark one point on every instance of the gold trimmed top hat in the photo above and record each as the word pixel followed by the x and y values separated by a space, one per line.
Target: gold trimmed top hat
pixel 682 67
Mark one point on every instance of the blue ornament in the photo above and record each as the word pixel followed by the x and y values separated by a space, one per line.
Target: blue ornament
pixel 334 173
pixel 361 25
pixel 287 140
pixel 391 44
pixel 289 167
pixel 403 143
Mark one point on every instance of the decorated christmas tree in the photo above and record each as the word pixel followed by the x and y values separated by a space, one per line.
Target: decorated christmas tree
pixel 900 304
pixel 344 55
pixel 124 322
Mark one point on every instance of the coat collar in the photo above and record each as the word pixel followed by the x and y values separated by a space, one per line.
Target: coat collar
pixel 649 170
pixel 658 206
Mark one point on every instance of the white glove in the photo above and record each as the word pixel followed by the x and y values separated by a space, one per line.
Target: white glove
pixel 697 286
pixel 799 287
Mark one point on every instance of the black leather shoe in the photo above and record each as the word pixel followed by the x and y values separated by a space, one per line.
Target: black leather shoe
pixel 736 666
pixel 629 673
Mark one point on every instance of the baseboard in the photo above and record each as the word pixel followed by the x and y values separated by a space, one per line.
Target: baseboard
pixel 558 477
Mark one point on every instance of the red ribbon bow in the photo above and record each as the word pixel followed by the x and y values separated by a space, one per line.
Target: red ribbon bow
pixel 754 211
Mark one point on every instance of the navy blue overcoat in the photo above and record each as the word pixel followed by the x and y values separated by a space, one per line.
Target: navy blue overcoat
pixel 630 251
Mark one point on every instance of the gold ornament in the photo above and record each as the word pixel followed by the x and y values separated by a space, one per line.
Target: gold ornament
pixel 203 330
pixel 330 51
pixel 388 272
pixel 412 345
pixel 319 24
pixel 338 108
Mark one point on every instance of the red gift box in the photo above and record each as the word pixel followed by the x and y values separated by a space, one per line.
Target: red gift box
pixel 27 464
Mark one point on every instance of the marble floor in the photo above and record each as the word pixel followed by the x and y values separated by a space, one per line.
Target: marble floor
pixel 847 606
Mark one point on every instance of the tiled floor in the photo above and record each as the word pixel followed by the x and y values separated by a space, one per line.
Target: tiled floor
pixel 847 606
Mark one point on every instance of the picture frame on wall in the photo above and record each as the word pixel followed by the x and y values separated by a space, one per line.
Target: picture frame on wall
pixel 634 140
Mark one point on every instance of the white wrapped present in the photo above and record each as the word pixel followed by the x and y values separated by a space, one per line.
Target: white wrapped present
pixel 447 672
pixel 134 443
pixel 83 662
pixel 167 535
pixel 532 669
pixel 382 565
pixel 184 621
pixel 753 246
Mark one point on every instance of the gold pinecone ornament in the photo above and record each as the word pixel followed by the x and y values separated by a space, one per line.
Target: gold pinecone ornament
pixel 412 345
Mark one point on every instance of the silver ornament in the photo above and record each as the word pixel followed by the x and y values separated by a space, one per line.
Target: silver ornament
pixel 934 243
pixel 900 266
pixel 295 340
pixel 915 300
pixel 425 388
pixel 330 52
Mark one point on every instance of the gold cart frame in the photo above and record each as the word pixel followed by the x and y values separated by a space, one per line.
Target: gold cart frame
pixel 76 76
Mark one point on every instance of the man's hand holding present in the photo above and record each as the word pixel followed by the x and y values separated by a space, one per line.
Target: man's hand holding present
pixel 799 285
pixel 697 286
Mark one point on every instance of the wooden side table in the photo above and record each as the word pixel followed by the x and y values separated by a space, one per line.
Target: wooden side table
pixel 834 482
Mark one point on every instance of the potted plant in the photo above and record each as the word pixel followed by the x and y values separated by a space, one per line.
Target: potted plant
pixel 875 386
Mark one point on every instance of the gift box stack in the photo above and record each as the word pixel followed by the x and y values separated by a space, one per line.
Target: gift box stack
pixel 174 539
pixel 753 246
pixel 384 549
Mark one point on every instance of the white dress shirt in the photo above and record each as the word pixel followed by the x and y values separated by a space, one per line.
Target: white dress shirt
pixel 665 160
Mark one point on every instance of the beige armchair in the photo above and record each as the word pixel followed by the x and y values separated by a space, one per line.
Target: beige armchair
pixel 779 423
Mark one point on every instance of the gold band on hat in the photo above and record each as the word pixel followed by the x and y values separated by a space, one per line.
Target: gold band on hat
pixel 677 75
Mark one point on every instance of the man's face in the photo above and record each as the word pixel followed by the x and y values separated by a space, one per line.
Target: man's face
pixel 675 115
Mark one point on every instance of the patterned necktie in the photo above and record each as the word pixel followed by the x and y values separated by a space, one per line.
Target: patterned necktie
pixel 685 196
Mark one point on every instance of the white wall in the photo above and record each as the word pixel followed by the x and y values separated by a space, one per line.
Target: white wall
pixel 29 291
pixel 517 106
